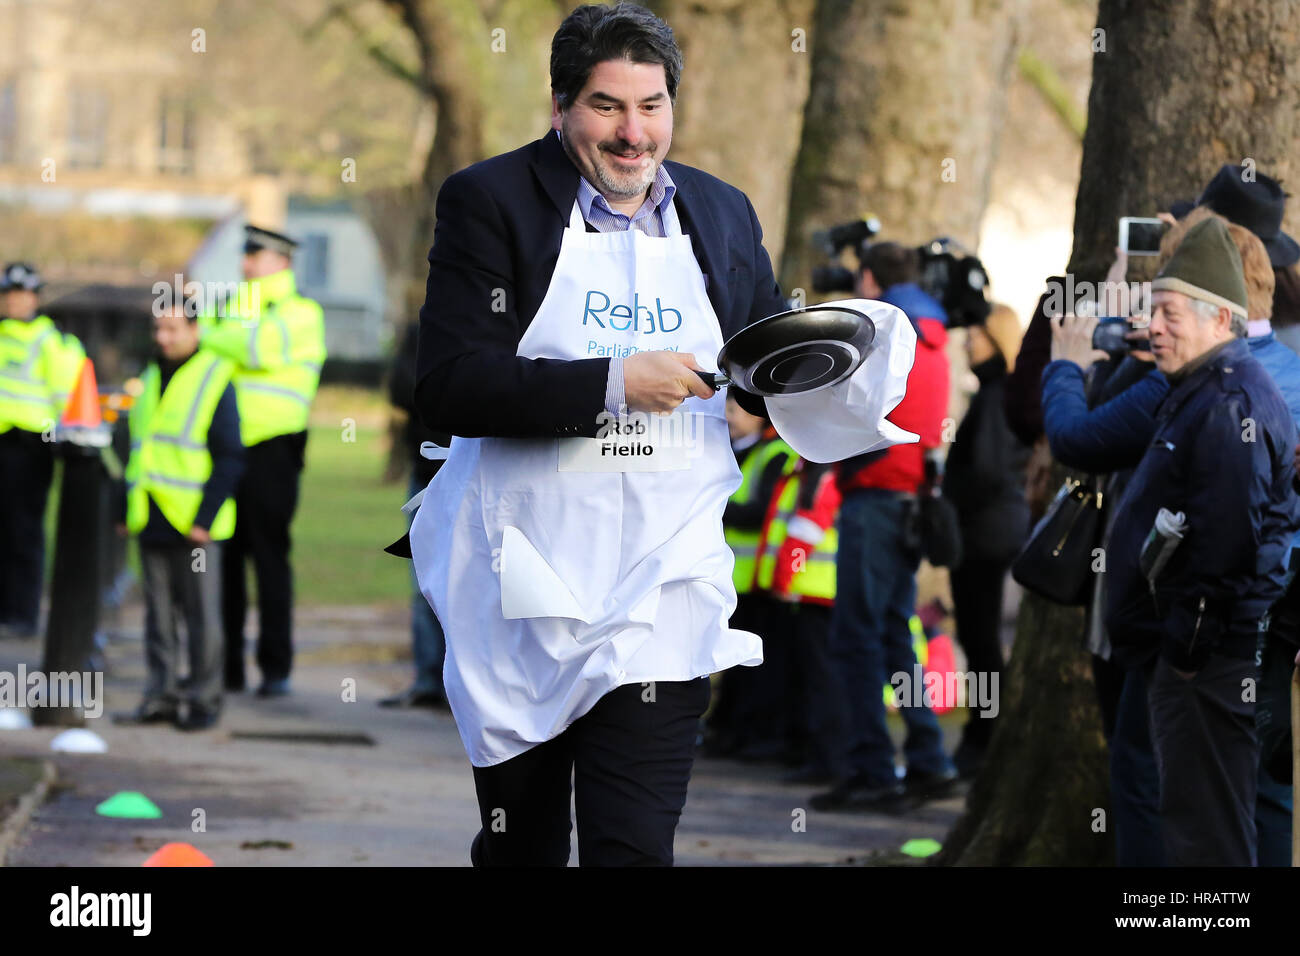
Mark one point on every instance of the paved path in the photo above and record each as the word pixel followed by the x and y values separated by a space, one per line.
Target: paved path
pixel 408 799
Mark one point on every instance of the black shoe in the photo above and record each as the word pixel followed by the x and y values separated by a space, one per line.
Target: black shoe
pixel 930 786
pixel 147 714
pixel 199 718
pixel 427 699
pixel 855 794
pixel 234 685
pixel 279 687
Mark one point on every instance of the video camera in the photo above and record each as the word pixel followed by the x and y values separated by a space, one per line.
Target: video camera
pixel 948 273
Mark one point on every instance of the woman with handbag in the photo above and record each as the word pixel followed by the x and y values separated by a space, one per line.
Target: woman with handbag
pixel 985 480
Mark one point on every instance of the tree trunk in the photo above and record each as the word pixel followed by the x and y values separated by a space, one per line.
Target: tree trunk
pixel 903 116
pixel 739 108
pixel 1178 89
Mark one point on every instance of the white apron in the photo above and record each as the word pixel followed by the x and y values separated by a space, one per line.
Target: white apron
pixel 557 578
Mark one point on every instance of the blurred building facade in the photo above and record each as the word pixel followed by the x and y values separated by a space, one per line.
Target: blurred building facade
pixel 112 180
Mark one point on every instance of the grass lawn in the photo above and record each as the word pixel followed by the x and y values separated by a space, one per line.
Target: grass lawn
pixel 345 519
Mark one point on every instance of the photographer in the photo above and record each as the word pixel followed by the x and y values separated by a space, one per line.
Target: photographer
pixel 877 564
pixel 1222 463
pixel 1113 436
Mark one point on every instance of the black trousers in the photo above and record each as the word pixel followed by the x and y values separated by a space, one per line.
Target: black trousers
pixel 819 702
pixel 763 707
pixel 1207 756
pixel 629 758
pixel 264 503
pixel 977 587
pixel 26 468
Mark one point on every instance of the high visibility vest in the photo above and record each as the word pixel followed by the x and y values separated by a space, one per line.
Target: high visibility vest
pixel 169 460
pixel 815 578
pixel 744 544
pixel 38 368
pixel 276 339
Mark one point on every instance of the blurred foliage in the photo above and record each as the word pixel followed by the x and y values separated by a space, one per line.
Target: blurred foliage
pixel 301 100
pixel 114 246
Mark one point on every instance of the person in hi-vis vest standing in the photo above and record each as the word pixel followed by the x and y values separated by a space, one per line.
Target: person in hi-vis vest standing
pixel 38 368
pixel 583 581
pixel 276 338
pixel 186 460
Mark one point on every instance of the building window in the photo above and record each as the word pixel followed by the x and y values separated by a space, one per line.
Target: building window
pixel 311 261
pixel 8 122
pixel 175 136
pixel 87 127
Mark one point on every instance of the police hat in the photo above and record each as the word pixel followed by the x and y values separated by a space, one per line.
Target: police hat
pixel 255 238
pixel 19 275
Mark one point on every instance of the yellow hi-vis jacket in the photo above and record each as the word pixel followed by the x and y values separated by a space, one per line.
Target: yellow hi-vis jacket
pixel 744 543
pixel 814 577
pixel 38 368
pixel 170 461
pixel 276 339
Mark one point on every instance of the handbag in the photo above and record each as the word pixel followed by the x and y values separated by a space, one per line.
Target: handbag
pixel 1056 561
pixel 936 527
pixel 940 530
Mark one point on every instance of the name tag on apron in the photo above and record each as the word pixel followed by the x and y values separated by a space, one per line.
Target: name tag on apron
pixel 621 453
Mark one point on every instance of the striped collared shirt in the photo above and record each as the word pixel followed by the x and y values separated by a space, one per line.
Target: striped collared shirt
pixel 653 218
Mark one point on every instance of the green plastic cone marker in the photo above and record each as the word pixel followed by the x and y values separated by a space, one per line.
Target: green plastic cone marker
pixel 130 805
pixel 923 847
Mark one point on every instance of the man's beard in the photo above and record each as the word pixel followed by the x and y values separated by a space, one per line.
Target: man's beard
pixel 627 185
pixel 610 181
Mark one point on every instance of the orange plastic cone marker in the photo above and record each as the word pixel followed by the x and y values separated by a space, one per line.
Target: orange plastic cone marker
pixel 178 854
pixel 83 403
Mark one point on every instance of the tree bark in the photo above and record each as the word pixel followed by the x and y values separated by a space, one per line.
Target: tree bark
pixel 902 120
pixel 1178 89
pixel 739 108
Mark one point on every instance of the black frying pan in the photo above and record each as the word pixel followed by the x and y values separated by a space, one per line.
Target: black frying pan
pixel 802 350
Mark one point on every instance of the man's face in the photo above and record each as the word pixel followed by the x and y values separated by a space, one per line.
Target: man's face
pixel 18 304
pixel 176 336
pixel 263 262
pixel 1178 332
pixel 618 129
pixel 868 287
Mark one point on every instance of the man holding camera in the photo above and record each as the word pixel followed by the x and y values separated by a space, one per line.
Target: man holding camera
pixel 1222 461
pixel 878 561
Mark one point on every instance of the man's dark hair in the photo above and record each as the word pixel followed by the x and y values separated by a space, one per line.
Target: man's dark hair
pixel 1286 297
pixel 592 34
pixel 891 263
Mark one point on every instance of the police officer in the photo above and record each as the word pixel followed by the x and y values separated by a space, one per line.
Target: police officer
pixel 38 368
pixel 276 338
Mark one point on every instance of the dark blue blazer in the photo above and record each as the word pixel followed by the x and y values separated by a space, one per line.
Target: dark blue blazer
pixel 1222 453
pixel 497 238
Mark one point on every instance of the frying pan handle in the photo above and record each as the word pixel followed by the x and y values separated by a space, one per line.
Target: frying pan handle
pixel 715 380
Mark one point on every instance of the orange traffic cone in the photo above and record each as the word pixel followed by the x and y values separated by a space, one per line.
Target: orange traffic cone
pixel 83 403
pixel 178 854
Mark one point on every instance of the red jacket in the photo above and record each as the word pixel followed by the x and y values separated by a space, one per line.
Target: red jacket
pixel 806 529
pixel 922 410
